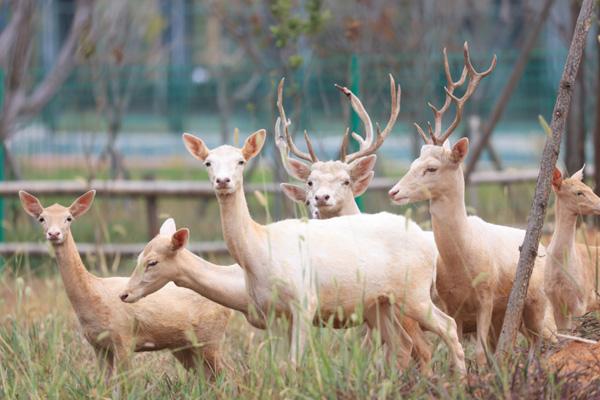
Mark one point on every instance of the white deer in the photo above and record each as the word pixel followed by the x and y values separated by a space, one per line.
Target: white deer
pixel 330 187
pixel 571 275
pixel 174 318
pixel 477 260
pixel 327 268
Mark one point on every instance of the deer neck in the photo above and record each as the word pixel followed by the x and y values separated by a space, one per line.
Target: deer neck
pixel 449 220
pixel 78 282
pixel 563 239
pixel 225 285
pixel 349 207
pixel 243 236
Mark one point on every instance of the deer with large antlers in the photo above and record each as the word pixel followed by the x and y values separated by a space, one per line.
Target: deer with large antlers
pixel 571 275
pixel 477 260
pixel 320 268
pixel 173 318
pixel 331 187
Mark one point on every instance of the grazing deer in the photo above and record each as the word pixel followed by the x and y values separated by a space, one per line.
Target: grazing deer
pixel 113 328
pixel 331 186
pixel 571 274
pixel 477 260
pixel 326 268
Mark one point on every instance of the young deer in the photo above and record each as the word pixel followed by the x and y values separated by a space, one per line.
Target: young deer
pixel 223 284
pixel 113 328
pixel 477 260
pixel 571 274
pixel 319 268
pixel 331 186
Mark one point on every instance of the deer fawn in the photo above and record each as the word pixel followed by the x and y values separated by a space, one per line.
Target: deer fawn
pixel 113 328
pixel 571 274
pixel 318 267
pixel 477 260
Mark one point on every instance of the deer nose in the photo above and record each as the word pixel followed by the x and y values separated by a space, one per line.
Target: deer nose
pixel 124 296
pixel 53 234
pixel 222 181
pixel 321 199
pixel 393 192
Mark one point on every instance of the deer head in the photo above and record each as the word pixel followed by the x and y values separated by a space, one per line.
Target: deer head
pixel 225 164
pixel 56 219
pixel 438 168
pixel 158 263
pixel 574 195
pixel 330 184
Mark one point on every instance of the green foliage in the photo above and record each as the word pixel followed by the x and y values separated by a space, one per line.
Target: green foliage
pixel 290 27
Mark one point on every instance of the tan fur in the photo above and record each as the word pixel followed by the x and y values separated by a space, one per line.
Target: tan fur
pixel 115 329
pixel 477 260
pixel 571 274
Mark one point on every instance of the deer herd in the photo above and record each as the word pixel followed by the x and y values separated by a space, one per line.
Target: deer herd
pixel 339 268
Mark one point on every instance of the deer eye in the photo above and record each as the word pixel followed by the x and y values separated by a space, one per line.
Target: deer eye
pixel 207 164
pixel 431 169
pixel 41 219
pixel 346 182
pixel 310 183
pixel 241 162
pixel 69 218
pixel 151 264
pixel 579 193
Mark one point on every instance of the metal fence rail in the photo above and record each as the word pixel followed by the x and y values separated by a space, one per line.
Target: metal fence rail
pixel 153 190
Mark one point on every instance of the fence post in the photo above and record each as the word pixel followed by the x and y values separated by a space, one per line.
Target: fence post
pixel 151 211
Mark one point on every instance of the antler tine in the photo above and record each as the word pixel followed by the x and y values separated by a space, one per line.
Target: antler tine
pixel 422 133
pixel 286 122
pixel 358 107
pixel 281 144
pixel 396 95
pixel 344 146
pixel 474 80
pixel 309 145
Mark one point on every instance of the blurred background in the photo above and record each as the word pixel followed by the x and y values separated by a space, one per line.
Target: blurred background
pixel 100 91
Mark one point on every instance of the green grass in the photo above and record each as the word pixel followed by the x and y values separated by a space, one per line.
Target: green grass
pixel 45 356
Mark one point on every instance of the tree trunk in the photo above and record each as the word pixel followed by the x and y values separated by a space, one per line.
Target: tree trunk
pixel 575 139
pixel 516 301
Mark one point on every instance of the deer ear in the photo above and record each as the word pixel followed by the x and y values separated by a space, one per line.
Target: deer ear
pixel 298 169
pixel 31 204
pixel 579 174
pixel 180 239
pixel 460 150
pixel 82 204
pixel 168 227
pixel 254 144
pixel 360 186
pixel 195 146
pixel 556 178
pixel 294 192
pixel 361 167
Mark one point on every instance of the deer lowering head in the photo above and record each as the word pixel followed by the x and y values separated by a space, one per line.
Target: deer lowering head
pixel 157 263
pixel 330 186
pixel 438 167
pixel 225 164
pixel 573 195
pixel 56 219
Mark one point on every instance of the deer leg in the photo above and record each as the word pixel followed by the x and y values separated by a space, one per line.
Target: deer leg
pixel 187 358
pixel 213 362
pixel 435 320
pixel 421 347
pixel 383 316
pixel 299 333
pixel 106 361
pixel 484 321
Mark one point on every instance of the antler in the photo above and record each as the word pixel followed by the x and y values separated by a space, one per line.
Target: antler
pixel 310 156
pixel 435 135
pixel 368 145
